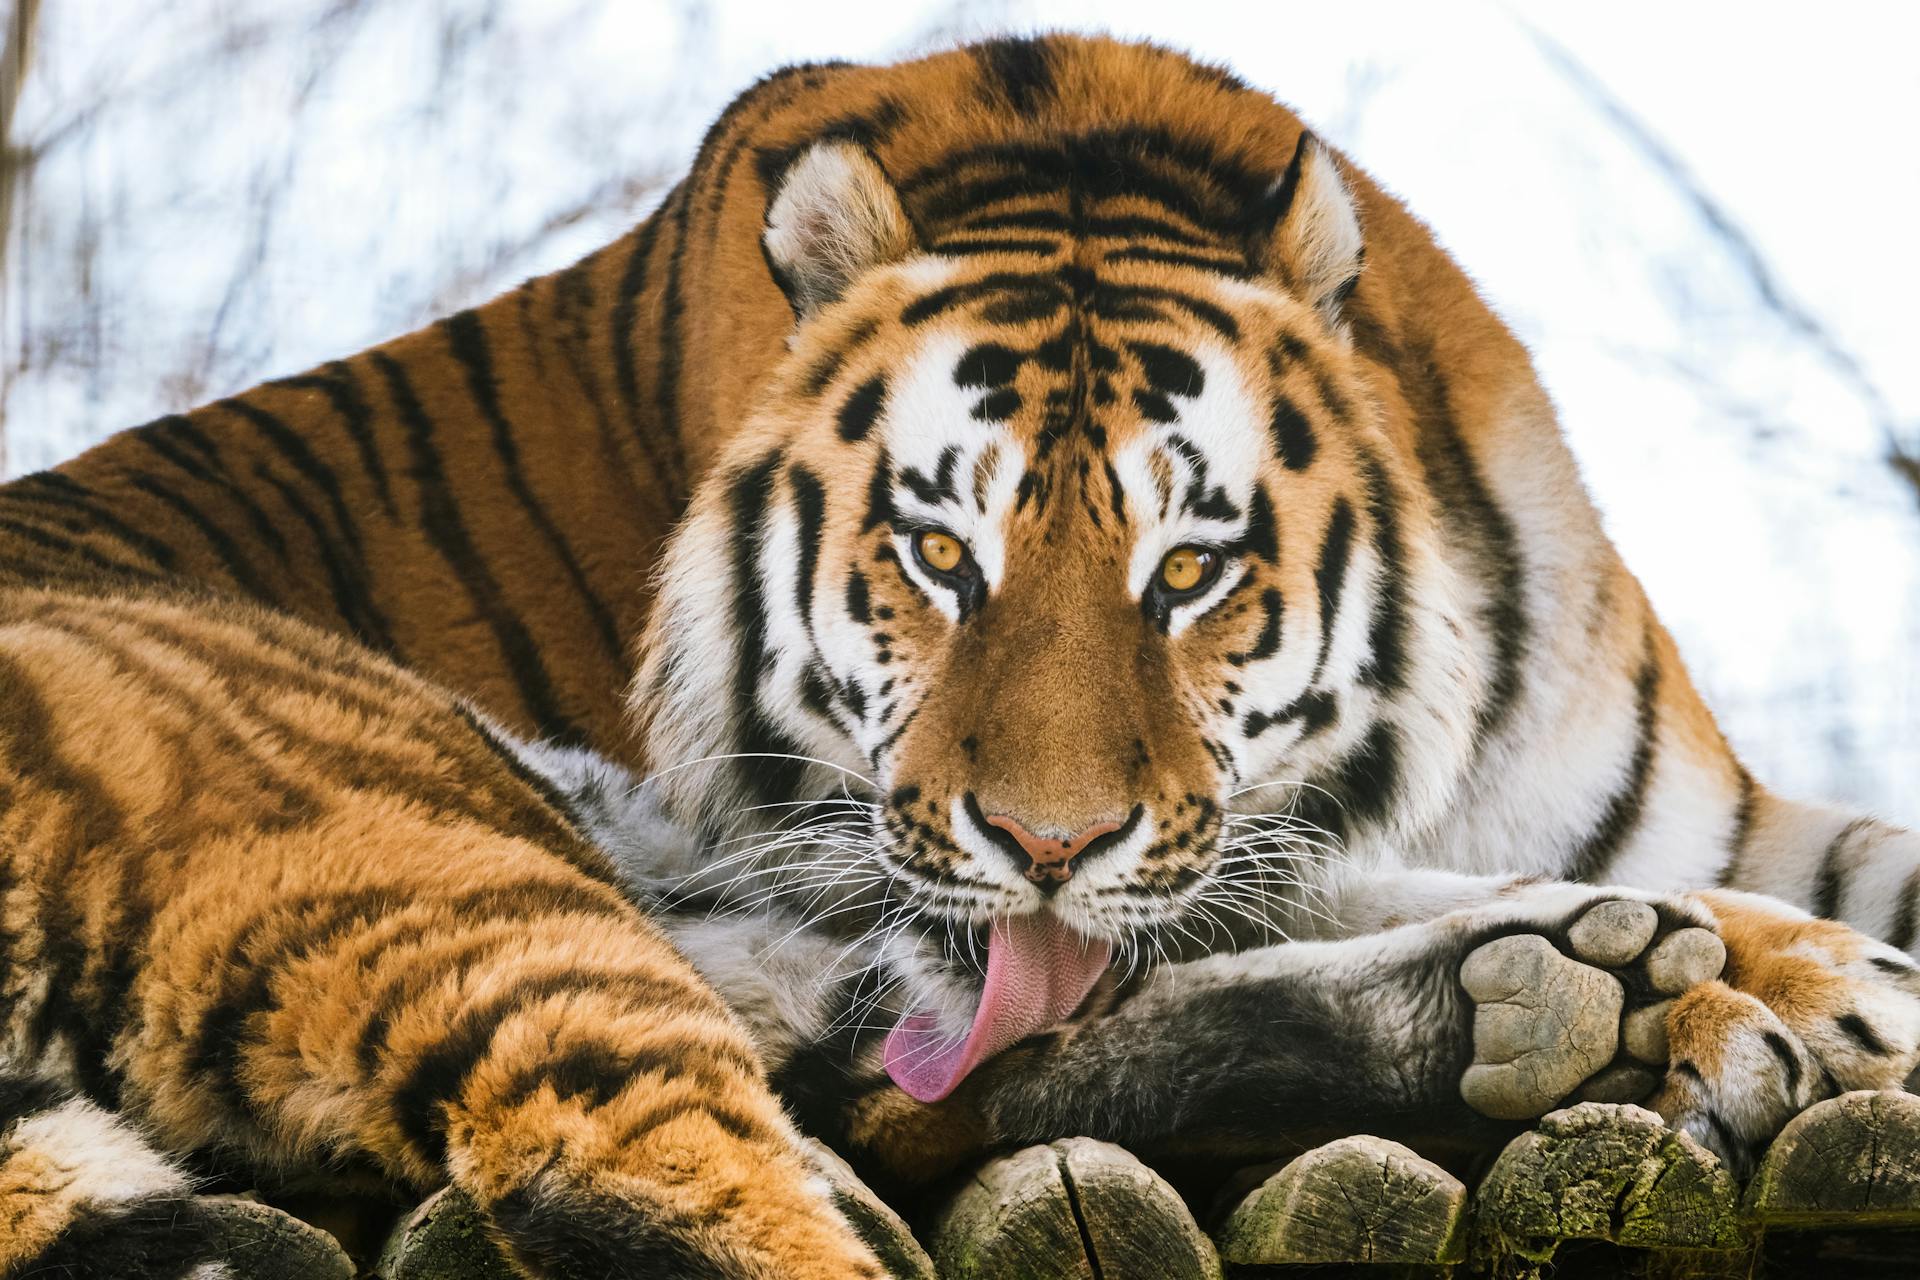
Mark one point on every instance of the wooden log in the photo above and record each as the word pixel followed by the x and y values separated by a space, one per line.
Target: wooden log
pixel 872 1218
pixel 1361 1199
pixel 1607 1172
pixel 1851 1161
pixel 1071 1210
pixel 444 1239
pixel 263 1241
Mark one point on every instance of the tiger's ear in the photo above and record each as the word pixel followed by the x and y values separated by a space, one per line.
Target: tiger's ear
pixel 834 217
pixel 1314 243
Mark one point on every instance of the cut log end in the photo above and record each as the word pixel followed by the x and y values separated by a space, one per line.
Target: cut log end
pixel 871 1218
pixel 1071 1210
pixel 1605 1172
pixel 1850 1161
pixel 1361 1199
pixel 274 1243
pixel 444 1239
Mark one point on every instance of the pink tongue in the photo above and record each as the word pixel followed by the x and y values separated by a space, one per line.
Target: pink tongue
pixel 1038 972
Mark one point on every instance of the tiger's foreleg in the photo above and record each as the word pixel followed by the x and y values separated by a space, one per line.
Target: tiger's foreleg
pixel 1424 1033
pixel 517 1030
pixel 83 1195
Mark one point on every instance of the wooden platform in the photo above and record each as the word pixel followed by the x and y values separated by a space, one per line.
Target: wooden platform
pixel 1596 1190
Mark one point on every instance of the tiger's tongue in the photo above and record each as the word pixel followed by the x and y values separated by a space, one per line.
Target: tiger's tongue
pixel 1038 972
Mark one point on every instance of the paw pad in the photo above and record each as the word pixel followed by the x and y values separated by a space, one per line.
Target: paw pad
pixel 1613 933
pixel 1685 958
pixel 1544 1024
pixel 1550 1021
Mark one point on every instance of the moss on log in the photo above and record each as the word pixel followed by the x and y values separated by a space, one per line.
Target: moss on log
pixel 444 1239
pixel 1604 1172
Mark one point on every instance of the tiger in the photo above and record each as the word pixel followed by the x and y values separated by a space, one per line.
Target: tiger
pixel 1027 598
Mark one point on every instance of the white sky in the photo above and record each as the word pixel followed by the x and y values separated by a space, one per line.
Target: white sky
pixel 1785 559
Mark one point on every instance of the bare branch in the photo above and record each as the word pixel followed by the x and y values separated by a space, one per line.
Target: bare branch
pixel 1773 293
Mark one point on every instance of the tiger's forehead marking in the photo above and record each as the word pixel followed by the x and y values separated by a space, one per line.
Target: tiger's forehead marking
pixel 1170 436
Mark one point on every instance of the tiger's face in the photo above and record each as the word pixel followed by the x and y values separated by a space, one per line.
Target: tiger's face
pixel 1070 539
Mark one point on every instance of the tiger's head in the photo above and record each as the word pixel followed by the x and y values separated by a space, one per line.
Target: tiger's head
pixel 1068 546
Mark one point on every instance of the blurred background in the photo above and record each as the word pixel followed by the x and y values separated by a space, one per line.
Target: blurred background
pixel 1700 217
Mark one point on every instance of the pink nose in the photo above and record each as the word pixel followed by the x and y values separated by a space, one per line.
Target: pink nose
pixel 1051 859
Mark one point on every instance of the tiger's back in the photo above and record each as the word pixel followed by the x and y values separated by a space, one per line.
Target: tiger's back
pixel 296 914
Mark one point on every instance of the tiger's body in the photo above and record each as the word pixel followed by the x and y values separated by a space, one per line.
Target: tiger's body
pixel 995 505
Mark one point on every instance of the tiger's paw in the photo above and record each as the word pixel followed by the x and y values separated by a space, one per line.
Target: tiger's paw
pixel 1806 1009
pixel 1571 999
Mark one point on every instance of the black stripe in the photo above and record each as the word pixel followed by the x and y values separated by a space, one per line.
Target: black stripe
pixel 1385 668
pixel 350 584
pixel 1465 502
pixel 571 1232
pixel 208 468
pixel 857 598
pixel 879 494
pixel 773 775
pixel 1830 882
pixel 594 1072
pixel 274 941
pixel 1621 818
pixel 862 409
pixel 1021 219
pixel 441 521
pixel 1169 371
pixel 1234 267
pixel 1017 71
pixel 51 489
pixel 1280 202
pixel 1366 780
pixel 625 320
pixel 1293 439
pixel 1789 1061
pixel 468 339
pixel 300 455
pixel 1741 829
pixel 1359 787
pixel 1330 576
pixel 1906 916
pixel 810 507
pixel 1268 642
pixel 338 382
pixel 349 590
pixel 998 244
pixel 440 1074
pixel 236 564
pixel 1862 1034
pixel 1125 302
pixel 1011 284
pixel 67 549
pixel 666 387
pixel 1135 226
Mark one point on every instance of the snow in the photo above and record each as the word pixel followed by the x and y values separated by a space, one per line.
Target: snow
pixel 411 154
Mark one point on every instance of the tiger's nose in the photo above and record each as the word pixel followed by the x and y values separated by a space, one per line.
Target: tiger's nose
pixel 1049 860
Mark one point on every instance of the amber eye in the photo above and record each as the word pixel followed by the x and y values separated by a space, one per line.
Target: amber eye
pixel 940 551
pixel 1187 569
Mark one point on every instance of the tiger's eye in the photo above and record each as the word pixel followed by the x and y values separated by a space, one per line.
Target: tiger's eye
pixel 1186 568
pixel 941 552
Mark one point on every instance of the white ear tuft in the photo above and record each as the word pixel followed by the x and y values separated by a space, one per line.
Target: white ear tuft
pixel 834 218
pixel 1316 247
